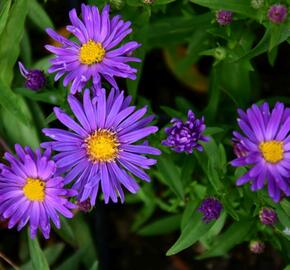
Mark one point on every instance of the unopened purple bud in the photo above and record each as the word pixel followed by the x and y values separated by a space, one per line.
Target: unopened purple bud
pixel 268 216
pixel 211 209
pixel 84 206
pixel 224 17
pixel 186 136
pixel 277 13
pixel 34 78
pixel 257 246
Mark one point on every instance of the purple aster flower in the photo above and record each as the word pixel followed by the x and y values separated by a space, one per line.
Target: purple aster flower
pixel 95 54
pixel 185 136
pixel 100 148
pixel 268 216
pixel 266 141
pixel 211 209
pixel 34 78
pixel 277 13
pixel 224 17
pixel 257 246
pixel 31 191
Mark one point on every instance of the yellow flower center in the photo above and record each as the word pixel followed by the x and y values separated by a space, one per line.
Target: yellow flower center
pixel 34 189
pixel 91 53
pixel 272 151
pixel 102 146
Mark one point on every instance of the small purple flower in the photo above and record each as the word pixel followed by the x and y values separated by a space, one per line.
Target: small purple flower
pixel 257 246
pixel 211 209
pixel 224 17
pixel 100 149
pixel 268 216
pixel 31 191
pixel 95 53
pixel 277 13
pixel 34 78
pixel 185 136
pixel 266 143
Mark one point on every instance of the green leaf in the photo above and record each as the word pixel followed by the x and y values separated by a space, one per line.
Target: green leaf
pixel 54 96
pixel 37 257
pixel 51 253
pixel 84 239
pixel 4 13
pixel 162 2
pixel 12 103
pixel 171 174
pixel 95 266
pixel 282 216
pixel 66 232
pixel 192 232
pixel 212 131
pixel 234 235
pixel 241 7
pixel 73 262
pixel 188 213
pixel 162 34
pixel 287 267
pixel 39 16
pixel 12 35
pixel 164 225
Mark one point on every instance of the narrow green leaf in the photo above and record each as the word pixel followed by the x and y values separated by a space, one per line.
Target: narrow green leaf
pixel 162 2
pixel 188 213
pixel 12 35
pixel 39 16
pixel 212 131
pixel 234 235
pixel 66 232
pixel 51 253
pixel 241 7
pixel 73 262
pixel 12 103
pixel 50 96
pixel 37 257
pixel 4 12
pixel 192 232
pixel 95 266
pixel 171 174
pixel 164 225
pixel 287 267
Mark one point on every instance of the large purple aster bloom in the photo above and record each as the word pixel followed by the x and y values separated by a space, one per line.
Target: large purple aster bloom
pixel 266 144
pixel 31 191
pixel 186 136
pixel 100 148
pixel 95 53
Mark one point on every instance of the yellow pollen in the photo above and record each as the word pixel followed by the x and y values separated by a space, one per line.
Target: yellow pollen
pixel 91 53
pixel 34 189
pixel 272 151
pixel 102 146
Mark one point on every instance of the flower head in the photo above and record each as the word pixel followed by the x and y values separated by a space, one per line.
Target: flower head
pixel 257 246
pixel 224 17
pixel 268 216
pixel 185 136
pixel 211 209
pixel 84 206
pixel 277 13
pixel 34 78
pixel 266 145
pixel 100 148
pixel 95 54
pixel 31 191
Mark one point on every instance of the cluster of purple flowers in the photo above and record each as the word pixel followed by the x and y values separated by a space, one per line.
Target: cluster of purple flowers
pixel 100 149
